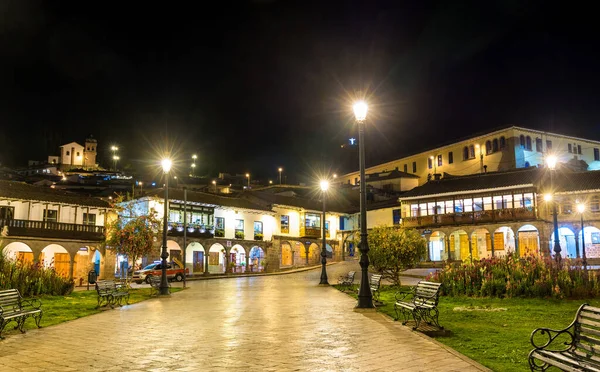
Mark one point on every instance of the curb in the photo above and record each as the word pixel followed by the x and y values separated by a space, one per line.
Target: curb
pixel 299 270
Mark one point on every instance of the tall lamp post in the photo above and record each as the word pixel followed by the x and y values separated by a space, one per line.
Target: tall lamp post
pixel 581 209
pixel 365 297
pixel 280 170
pixel 164 285
pixel 549 197
pixel 114 151
pixel 115 159
pixel 248 177
pixel 194 157
pixel 324 187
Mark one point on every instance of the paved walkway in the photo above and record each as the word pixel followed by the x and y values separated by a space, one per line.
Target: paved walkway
pixel 271 323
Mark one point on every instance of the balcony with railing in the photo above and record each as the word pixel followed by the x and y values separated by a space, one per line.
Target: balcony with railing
pixel 48 229
pixel 193 230
pixel 464 218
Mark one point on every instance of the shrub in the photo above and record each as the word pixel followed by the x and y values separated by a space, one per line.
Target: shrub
pixel 239 235
pixel 511 276
pixel 32 279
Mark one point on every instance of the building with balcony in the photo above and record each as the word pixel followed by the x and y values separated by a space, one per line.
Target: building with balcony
pixel 54 228
pixel 491 214
pixel 500 150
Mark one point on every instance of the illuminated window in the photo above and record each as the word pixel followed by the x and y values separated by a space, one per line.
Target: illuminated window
pixel 89 219
pixel 439 160
pixel 472 152
pixel 477 204
pixel 285 224
pixel 50 215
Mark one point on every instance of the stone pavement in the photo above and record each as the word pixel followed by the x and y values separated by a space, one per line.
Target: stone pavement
pixel 270 323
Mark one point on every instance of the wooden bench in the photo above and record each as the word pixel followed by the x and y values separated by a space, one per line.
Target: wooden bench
pixel 111 293
pixel 577 347
pixel 14 308
pixel 374 285
pixel 347 280
pixel 420 303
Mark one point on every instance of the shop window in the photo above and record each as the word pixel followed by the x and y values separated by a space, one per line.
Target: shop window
pixel 548 145
pixel 450 158
pixel 528 143
pixel 539 147
pixel 596 154
pixel 396 216
pixel 285 224
pixel 502 142
pixel 89 219
pixel 595 204
pixel 439 160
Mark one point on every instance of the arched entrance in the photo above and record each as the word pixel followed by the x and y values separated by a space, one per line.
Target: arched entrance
pixel 481 244
pixel 237 256
pixel 529 241
pixel 314 254
pixel 56 256
pixel 194 258
pixel 504 241
pixel 566 238
pixel 592 242
pixel 257 259
pixel 174 251
pixel 300 258
pixel 286 254
pixel 437 249
pixel 459 245
pixel 216 259
pixel 18 251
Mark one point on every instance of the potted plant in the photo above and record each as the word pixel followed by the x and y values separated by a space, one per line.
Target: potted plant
pixel 232 266
pixel 258 236
pixel 239 235
pixel 219 233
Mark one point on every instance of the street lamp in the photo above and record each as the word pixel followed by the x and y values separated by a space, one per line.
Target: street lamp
pixel 551 160
pixel 280 170
pixel 270 182
pixel 194 157
pixel 248 177
pixel 141 187
pixel 164 285
pixel 581 209
pixel 324 187
pixel 365 297
pixel 215 185
pixel 114 151
pixel 115 159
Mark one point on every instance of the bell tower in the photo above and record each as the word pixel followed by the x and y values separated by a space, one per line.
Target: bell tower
pixel 89 152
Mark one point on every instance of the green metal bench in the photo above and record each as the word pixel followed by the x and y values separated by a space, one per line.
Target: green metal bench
pixel 14 308
pixel 420 303
pixel 574 348
pixel 347 280
pixel 111 293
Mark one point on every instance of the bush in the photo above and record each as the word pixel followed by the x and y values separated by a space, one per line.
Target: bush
pixel 511 276
pixel 32 279
pixel 239 235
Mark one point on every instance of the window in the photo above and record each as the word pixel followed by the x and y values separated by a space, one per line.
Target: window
pixel 258 230
pixel 487 203
pixel 68 153
pixel 528 143
pixel 507 202
pixel 495 145
pixel 488 147
pixel 449 206
pixel 220 223
pixel 89 219
pixel 539 147
pixel 239 228
pixel 458 206
pixel 570 148
pixel 88 148
pixel 396 216
pixel 596 154
pixel 595 204
pixel 579 149
pixel 50 215
pixel 502 142
pixel 472 152
pixel 414 210
pixel 423 209
pixel 522 141
pixel 285 224
pixel 429 163
pixel 7 213
pixel 405 168
pixel 313 221
pixel 497 202
pixel 468 205
pixel 439 160
pixel 466 153
pixel 77 153
pixel 356 180
pixel 548 145
pixel 477 204
pixel 450 158
pixel 414 167
pixel 567 207
pixel 595 238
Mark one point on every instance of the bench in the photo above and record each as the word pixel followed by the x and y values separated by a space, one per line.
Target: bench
pixel 374 285
pixel 13 308
pixel 577 347
pixel 155 285
pixel 420 303
pixel 111 293
pixel 347 280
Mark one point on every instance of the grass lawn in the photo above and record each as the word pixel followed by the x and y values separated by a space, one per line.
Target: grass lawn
pixel 59 309
pixel 497 339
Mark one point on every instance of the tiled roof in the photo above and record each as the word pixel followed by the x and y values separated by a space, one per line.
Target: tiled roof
pixel 390 175
pixel 23 191
pixel 492 180
pixel 565 181
pixel 335 203
pixel 207 198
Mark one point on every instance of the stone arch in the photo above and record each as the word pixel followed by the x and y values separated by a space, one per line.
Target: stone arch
pixel 217 259
pixel 237 255
pixel 481 245
pixel 174 250
pixel 504 241
pixel 314 254
pixel 195 257
pixel 437 247
pixel 256 259
pixel 18 251
pixel 460 244
pixel 591 241
pixel 299 253
pixel 528 240
pixel 566 238
pixel 57 257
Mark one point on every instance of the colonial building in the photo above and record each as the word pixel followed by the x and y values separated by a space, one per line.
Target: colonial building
pixel 55 229
pixel 74 155
pixel 505 149
pixel 494 213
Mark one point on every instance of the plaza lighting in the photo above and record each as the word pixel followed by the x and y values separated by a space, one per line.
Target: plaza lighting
pixel 551 160
pixel 141 187
pixel 547 197
pixel 194 157
pixel 581 209
pixel 270 182
pixel 334 176
pixel 365 297
pixel 115 159
pixel 324 187
pixel 280 170
pixel 164 285
pixel 248 177
pixel 114 151
pixel 215 185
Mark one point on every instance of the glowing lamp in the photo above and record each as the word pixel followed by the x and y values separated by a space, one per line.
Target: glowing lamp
pixel 166 165
pixel 581 207
pixel 548 197
pixel 324 185
pixel 551 160
pixel 360 110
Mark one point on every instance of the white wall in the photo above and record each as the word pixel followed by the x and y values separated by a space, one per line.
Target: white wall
pixel 67 213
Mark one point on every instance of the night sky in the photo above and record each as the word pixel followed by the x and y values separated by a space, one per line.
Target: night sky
pixel 253 85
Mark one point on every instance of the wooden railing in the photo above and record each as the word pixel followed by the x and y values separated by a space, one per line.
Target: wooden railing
pixel 498 215
pixel 48 229
pixel 310 232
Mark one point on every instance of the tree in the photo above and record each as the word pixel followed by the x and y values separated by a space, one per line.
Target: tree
pixel 133 233
pixel 393 250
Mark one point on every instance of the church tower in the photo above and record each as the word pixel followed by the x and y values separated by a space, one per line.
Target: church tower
pixel 89 152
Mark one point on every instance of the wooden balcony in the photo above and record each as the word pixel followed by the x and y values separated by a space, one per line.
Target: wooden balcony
pixel 60 230
pixel 193 230
pixel 466 218
pixel 310 232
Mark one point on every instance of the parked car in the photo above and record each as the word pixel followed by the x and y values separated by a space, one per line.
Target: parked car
pixel 174 272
